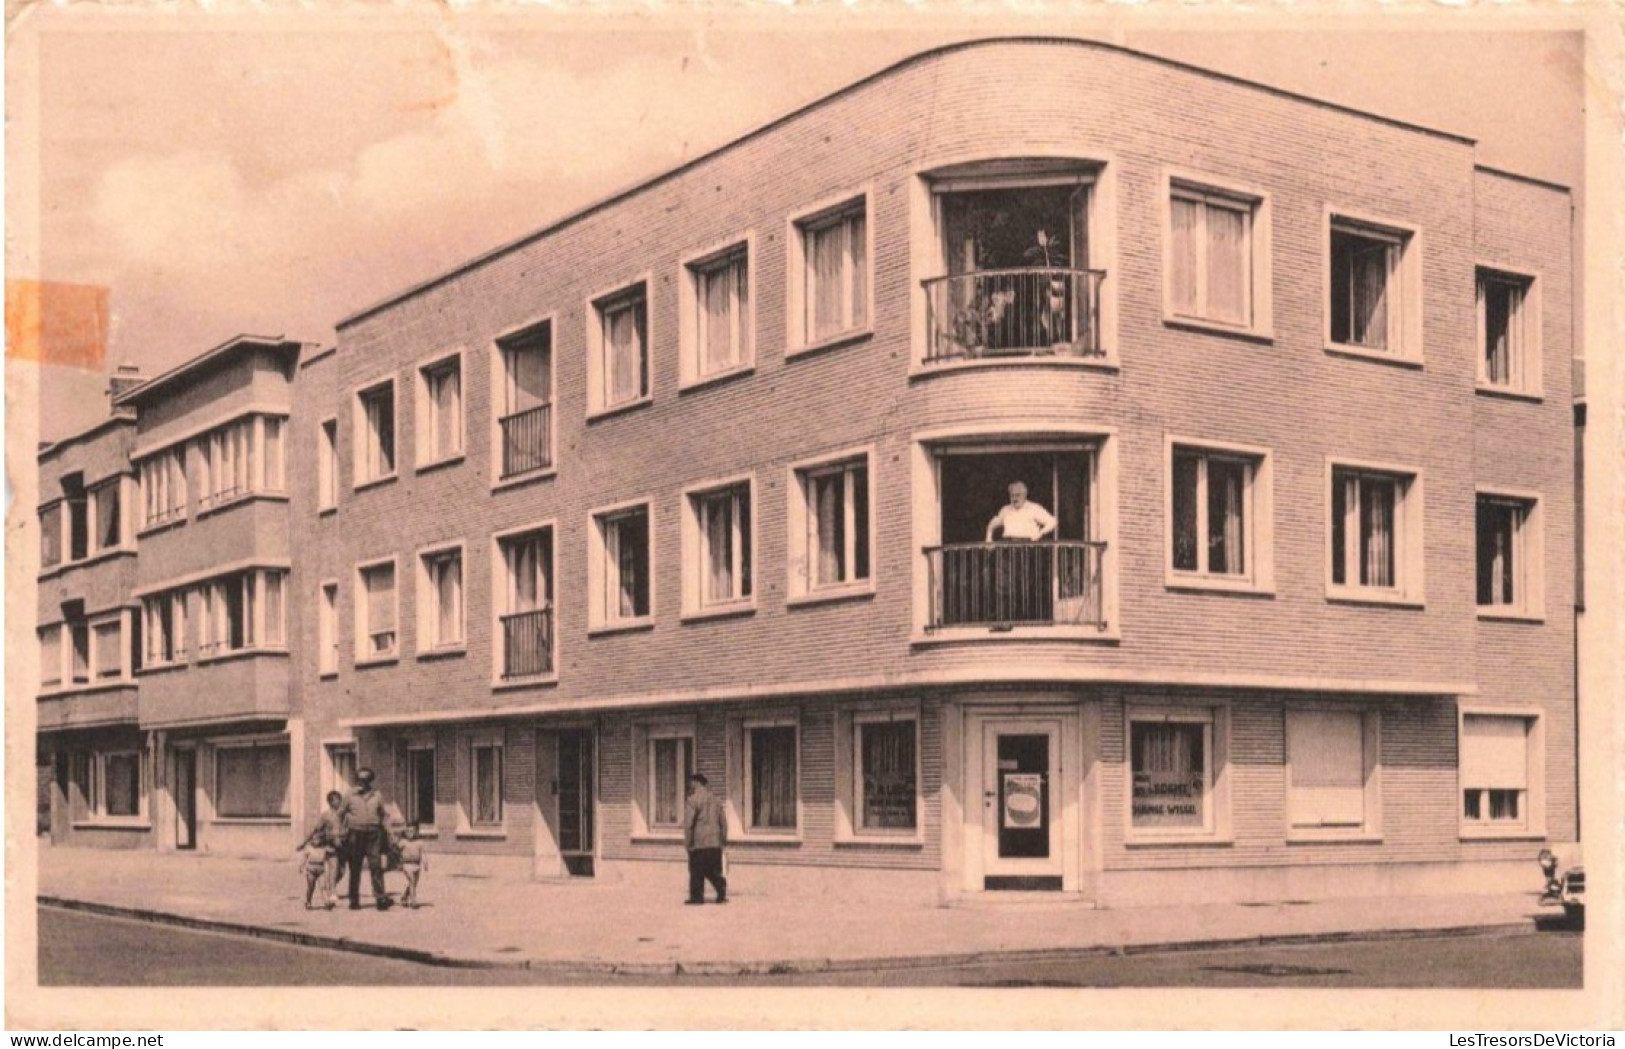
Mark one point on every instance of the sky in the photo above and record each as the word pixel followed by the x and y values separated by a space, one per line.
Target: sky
pixel 273 175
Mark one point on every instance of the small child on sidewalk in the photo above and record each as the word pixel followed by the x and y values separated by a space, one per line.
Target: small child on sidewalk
pixel 413 862
pixel 314 861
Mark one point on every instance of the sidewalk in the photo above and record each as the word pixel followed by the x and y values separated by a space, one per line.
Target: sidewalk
pixel 588 926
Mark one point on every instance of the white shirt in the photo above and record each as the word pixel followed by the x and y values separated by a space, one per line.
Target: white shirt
pixel 1028 521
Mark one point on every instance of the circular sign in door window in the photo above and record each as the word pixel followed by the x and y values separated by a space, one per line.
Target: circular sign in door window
pixel 1023 799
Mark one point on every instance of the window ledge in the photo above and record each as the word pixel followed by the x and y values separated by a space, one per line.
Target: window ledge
pixel 512 684
pixel 868 841
pixel 743 608
pixel 1180 841
pixel 1508 834
pixel 1401 360
pixel 543 473
pixel 1509 393
pixel 163 668
pixel 242 653
pixel 991 635
pixel 715 378
pixel 628 626
pixel 377 661
pixel 85 562
pixel 327 511
pixel 446 652
pixel 481 834
pixel 61 692
pixel 436 464
pixel 252 821
pixel 327 675
pixel 1207 327
pixel 238 500
pixel 1312 836
pixel 373 482
pixel 1104 363
pixel 832 342
pixel 1217 584
pixel 1347 596
pixel 113 823
pixel 154 527
pixel 658 837
pixel 786 840
pixel 828 595
pixel 617 409
pixel 1491 616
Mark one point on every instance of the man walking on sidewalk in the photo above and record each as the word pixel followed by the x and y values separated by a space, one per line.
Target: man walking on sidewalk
pixel 705 832
pixel 365 827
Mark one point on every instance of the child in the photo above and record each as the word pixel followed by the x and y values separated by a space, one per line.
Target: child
pixel 329 831
pixel 314 862
pixel 413 862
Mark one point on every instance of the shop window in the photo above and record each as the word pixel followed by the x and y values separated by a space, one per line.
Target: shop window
pixel 251 781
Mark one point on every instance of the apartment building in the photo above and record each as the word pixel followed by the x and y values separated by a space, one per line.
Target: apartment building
pixel 713 476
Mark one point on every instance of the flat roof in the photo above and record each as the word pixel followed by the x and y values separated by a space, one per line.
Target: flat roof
pixel 639 186
pixel 203 360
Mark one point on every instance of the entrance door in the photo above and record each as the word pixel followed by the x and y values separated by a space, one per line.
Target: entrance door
pixel 1021 804
pixel 186 799
pixel 576 800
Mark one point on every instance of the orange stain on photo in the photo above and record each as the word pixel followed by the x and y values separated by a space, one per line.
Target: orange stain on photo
pixel 53 322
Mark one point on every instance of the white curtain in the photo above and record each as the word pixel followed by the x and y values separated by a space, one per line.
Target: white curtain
pixel 449 598
pixel 1227 263
pixel 624 335
pixel 1377 506
pixel 448 404
pixel 1368 316
pixel 773 777
pixel 719 540
pixel 1182 262
pixel 828 497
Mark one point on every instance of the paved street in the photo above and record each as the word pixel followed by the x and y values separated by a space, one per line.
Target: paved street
pixel 84 949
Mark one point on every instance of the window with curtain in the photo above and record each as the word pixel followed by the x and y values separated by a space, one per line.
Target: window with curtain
pixel 835 250
pixel 375 448
pixel 443 402
pixel 626 564
pixel 837 541
pixel 1211 255
pixel 771 785
pixel 252 781
pixel 527 558
pixel 888 790
pixel 486 794
pixel 1495 769
pixel 108 641
pixel 671 762
pixel 165 627
pixel 376 614
pixel 109 522
pixel 723 518
pixel 1212 515
pixel 1326 768
pixel 121 784
pixel 273 427
pixel 721 322
pixel 1170 774
pixel 273 585
pixel 443 597
pixel 1365 286
pixel 1506 331
pixel 1366 528
pixel 624 326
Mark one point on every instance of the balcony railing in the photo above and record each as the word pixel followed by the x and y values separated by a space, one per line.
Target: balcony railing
pixel 1014 313
pixel 527 644
pixel 1016 584
pixel 525 444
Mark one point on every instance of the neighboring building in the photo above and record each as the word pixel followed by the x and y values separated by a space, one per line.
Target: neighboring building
pixel 702 478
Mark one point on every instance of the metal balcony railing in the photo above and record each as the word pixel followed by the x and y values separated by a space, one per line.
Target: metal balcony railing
pixel 1013 313
pixel 527 644
pixel 525 441
pixel 1053 583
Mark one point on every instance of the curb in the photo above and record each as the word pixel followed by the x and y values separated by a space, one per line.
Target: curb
pixel 787 967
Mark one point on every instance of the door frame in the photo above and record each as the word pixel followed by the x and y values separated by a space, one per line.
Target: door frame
pixel 549 858
pixel 1066 793
pixel 183 752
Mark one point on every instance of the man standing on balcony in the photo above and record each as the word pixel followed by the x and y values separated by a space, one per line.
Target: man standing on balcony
pixel 1021 578
pixel 1022 519
pixel 364 821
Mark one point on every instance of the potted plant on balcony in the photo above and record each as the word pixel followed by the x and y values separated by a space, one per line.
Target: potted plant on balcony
pixel 1052 315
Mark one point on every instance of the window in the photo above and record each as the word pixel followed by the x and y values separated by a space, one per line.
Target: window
pixel 109 515
pixel 1499 767
pixel 165 628
pixel 79 638
pixel 1172 783
pixel 50 524
pixel 1509 576
pixel 440 411
pixel 717 322
pixel 341 764
pixel 251 781
pixel 78 526
pixel 327 630
pixel 1508 332
pixel 241 611
pixel 525 423
pixel 375 429
pixel 620 555
pixel 1215 271
pixel 719 540
pixel 886 787
pixel 670 763
pixel 618 344
pixel 1331 765
pixel 1376 533
pixel 772 784
pixel 1375 289
pixel 485 787
pixel 830 527
pixel 420 792
pixel 50 657
pixel 109 785
pixel 239 458
pixel 375 612
pixel 440 601
pixel 327 465
pixel 107 641
pixel 163 486
pixel 1218 513
pixel 830 274
pixel 525 612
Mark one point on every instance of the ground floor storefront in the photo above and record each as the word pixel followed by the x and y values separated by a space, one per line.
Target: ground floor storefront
pixel 1118 795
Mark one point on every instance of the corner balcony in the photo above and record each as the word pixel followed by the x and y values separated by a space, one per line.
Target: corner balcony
pixel 1002 586
pixel 1007 313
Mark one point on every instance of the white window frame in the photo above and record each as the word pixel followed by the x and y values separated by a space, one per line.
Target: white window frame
pixel 213 620
pixel 164 488
pixel 1403 286
pixel 95 810
pixel 1259 541
pixel 603 574
pixel 693 271
pixel 125 483
pixel 644 739
pixel 1525 321
pixel 739 794
pixel 826 213
pixel 249 743
pixel 1533 824
pixel 427 422
pixel 1257 281
pixel 1215 720
pixel 1370 828
pixel 178 600
pixel 471 743
pixel 364 655
pixel 502 599
pixel 849 725
pixel 429 641
pixel 327 464
pixel 1409 544
pixel 363 448
pixel 1529 554
pixel 600 307
pixel 696 559
pixel 503 397
pixel 802 520
pixel 327 628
